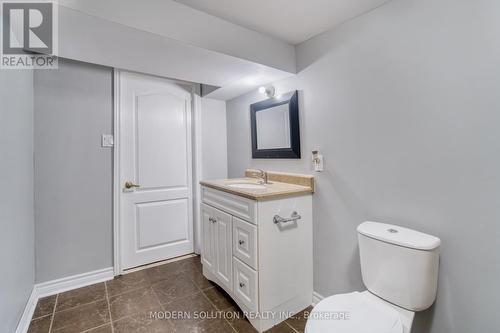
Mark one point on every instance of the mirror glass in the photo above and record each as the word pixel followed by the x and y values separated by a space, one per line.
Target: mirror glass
pixel 273 127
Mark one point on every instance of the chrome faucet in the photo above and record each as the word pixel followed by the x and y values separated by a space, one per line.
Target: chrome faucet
pixel 263 176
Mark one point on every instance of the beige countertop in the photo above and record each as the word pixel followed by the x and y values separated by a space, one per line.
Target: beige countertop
pixel 273 190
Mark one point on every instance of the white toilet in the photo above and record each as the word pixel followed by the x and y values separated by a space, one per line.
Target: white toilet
pixel 400 270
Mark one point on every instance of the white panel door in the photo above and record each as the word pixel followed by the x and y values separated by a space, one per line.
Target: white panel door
pixel 155 169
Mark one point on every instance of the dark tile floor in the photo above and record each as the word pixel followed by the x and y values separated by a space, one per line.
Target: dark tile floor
pixel 125 305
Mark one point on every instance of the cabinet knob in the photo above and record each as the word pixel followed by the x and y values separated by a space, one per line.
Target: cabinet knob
pixel 242 285
pixel 241 241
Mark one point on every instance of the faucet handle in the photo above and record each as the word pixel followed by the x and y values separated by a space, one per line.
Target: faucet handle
pixel 256 172
pixel 260 174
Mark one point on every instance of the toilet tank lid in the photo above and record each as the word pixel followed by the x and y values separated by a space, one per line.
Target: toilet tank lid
pixel 397 235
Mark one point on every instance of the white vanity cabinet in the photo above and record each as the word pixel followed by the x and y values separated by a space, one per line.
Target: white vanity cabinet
pixel 217 243
pixel 266 267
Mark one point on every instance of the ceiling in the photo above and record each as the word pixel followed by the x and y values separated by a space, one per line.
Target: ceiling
pixel 293 21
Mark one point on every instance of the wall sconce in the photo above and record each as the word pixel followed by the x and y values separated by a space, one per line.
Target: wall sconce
pixel 269 91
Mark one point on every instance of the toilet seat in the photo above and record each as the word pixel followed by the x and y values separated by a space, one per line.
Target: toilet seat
pixel 362 314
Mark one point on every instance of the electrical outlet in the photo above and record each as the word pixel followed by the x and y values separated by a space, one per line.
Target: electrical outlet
pixel 317 160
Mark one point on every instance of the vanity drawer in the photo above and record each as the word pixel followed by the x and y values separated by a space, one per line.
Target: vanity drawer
pixel 245 285
pixel 245 242
pixel 237 206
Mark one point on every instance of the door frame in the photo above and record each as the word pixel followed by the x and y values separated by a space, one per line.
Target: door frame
pixel 196 165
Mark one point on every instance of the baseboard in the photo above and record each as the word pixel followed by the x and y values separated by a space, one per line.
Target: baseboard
pixel 316 298
pixel 29 309
pixel 73 282
pixel 53 287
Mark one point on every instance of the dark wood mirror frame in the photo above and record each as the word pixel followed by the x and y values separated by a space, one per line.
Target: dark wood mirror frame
pixel 294 150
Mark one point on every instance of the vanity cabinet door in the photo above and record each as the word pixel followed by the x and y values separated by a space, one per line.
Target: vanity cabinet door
pixel 224 249
pixel 208 255
pixel 245 242
pixel 245 285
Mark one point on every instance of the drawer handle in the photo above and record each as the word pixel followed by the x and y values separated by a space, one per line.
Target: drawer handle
pixel 242 285
pixel 241 242
pixel 278 219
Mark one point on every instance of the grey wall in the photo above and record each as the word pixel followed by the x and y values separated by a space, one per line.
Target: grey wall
pixel 213 139
pixel 404 104
pixel 73 174
pixel 17 256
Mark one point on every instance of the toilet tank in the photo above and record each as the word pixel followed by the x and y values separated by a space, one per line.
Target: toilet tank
pixel 398 264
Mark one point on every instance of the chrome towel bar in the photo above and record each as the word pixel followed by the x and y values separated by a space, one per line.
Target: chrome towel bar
pixel 278 219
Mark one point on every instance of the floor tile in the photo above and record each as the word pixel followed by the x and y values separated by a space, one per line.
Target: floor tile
pixel 200 281
pixel 163 272
pixel 133 302
pixel 126 283
pixel 171 290
pixel 190 311
pixel 179 287
pixel 233 312
pixel 40 325
pixel 185 265
pixel 81 318
pixel 45 306
pixel 219 298
pixel 189 264
pixel 102 329
pixel 142 322
pixel 194 306
pixel 204 326
pixel 81 296
pixel 242 325
pixel 281 328
pixel 237 319
pixel 298 321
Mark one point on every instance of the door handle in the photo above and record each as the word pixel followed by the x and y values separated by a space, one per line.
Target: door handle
pixel 129 185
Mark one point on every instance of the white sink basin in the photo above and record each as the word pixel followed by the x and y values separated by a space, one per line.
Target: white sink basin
pixel 247 186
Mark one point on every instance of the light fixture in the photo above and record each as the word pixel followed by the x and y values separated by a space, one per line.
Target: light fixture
pixel 268 91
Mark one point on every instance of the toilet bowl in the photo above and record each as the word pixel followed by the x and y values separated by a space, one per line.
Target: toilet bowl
pixel 358 312
pixel 399 267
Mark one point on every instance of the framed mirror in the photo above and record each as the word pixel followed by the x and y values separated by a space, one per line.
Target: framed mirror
pixel 275 127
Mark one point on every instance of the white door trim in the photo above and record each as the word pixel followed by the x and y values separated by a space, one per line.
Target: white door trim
pixel 117 190
pixel 197 167
pixel 117 267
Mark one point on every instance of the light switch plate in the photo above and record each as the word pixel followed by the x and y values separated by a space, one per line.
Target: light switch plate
pixel 107 140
